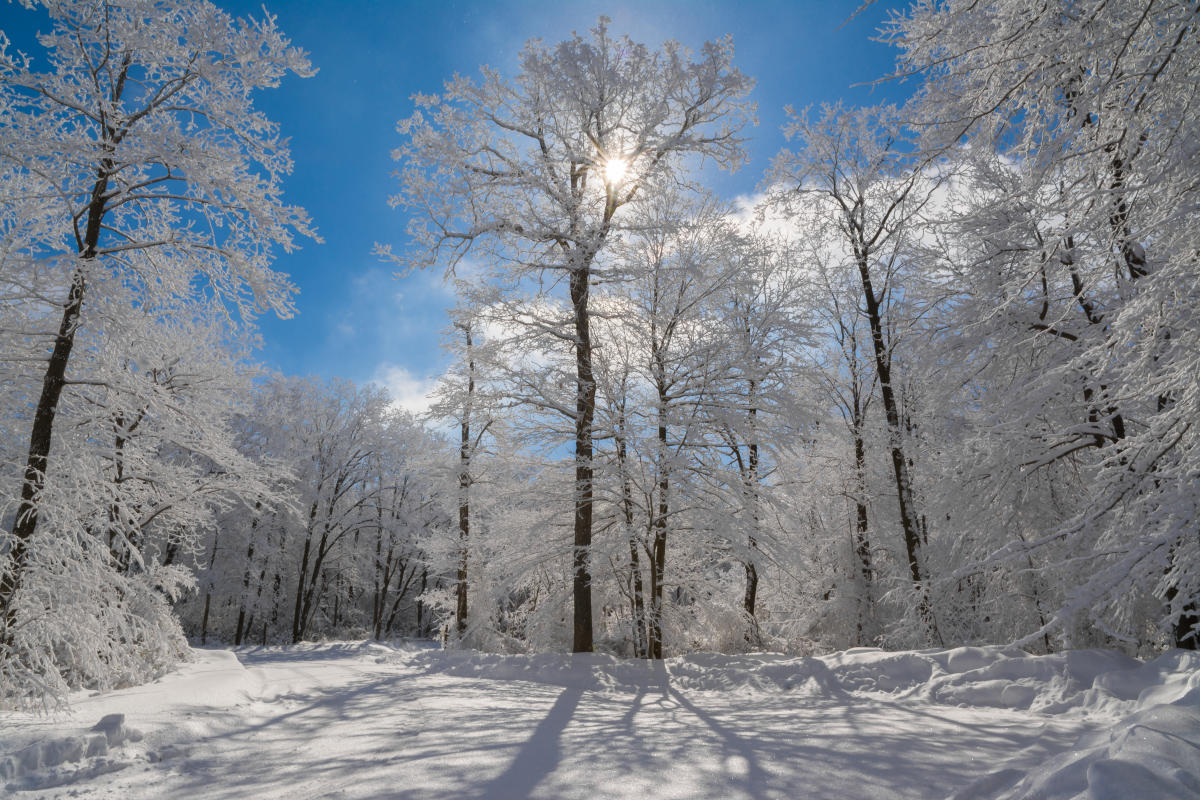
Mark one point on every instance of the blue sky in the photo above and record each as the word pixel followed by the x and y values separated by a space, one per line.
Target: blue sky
pixel 356 320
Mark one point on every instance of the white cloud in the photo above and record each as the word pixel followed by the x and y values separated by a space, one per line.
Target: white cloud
pixel 406 390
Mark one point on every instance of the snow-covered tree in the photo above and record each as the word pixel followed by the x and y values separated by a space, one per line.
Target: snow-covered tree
pixel 677 265
pixel 338 543
pixel 536 172
pixel 1076 250
pixel 855 184
pixel 754 413
pixel 463 396
pixel 137 178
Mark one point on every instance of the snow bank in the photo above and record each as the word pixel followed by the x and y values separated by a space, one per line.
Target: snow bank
pixel 700 672
pixel 213 678
pixel 1084 681
pixel 588 671
pixel 47 757
pixel 77 750
pixel 1147 713
pixel 1151 751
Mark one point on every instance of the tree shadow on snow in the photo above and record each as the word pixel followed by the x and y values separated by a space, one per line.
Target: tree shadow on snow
pixel 540 754
pixel 397 732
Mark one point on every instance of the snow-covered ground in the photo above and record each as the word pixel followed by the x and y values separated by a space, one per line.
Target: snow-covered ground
pixel 367 720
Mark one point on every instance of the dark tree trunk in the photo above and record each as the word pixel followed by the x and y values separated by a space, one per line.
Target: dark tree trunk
pixel 316 586
pixel 212 559
pixel 262 582
pixel 420 605
pixel 383 580
pixel 585 410
pixel 636 590
pixel 891 410
pixel 657 574
pixel 751 596
pixel 862 544
pixel 40 436
pixel 241 618
pixel 658 559
pixel 464 492
pixel 1186 630
pixel 302 577
pixel 401 593
pixel 637 601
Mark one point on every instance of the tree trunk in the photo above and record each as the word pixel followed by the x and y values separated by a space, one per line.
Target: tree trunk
pixel 420 604
pixel 585 410
pixel 241 618
pixel 658 558
pixel 1186 632
pixel 401 592
pixel 636 590
pixel 316 584
pixel 41 434
pixel 302 577
pixel 464 493
pixel 212 559
pixel 753 637
pixel 891 410
pixel 862 544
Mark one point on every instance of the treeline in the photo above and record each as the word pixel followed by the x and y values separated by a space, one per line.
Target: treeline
pixel 341 545
pixel 936 385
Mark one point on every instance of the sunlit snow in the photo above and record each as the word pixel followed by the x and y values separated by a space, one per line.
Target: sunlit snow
pixel 367 720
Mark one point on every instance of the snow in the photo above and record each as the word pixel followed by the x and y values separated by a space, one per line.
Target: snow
pixel 371 720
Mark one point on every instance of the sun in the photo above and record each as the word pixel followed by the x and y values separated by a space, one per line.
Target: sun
pixel 614 170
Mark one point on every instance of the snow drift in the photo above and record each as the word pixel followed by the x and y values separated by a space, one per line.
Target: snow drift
pixel 1140 723
pixel 1152 750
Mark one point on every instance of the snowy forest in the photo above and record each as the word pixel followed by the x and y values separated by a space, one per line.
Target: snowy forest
pixel 936 384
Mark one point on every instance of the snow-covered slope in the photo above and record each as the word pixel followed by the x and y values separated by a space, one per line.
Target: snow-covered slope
pixel 961 723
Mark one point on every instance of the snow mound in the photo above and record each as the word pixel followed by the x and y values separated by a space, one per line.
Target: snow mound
pixel 49 756
pixel 589 671
pixel 210 679
pixel 1152 750
pixel 1054 683
pixel 1075 681
pixel 1083 681
pixel 1152 753
pixel 755 673
pixel 699 672
pixel 868 669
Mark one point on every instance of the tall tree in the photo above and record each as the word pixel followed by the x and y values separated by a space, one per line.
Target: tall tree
pixel 855 180
pixel 754 410
pixel 536 172
pixel 163 180
pixel 463 397
pixel 677 264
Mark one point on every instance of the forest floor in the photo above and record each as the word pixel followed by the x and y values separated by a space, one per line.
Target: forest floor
pixel 405 720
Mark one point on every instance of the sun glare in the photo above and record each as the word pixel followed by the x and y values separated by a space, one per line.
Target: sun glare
pixel 614 170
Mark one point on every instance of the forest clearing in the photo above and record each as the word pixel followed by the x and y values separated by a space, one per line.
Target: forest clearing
pixel 407 720
pixel 530 398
